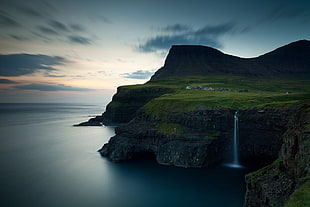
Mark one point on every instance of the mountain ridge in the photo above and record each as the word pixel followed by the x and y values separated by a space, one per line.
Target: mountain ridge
pixel 188 60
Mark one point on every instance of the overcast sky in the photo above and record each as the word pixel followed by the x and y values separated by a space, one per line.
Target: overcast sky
pixel 80 51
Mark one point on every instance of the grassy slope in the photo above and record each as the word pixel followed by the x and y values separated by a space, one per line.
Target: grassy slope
pixel 262 92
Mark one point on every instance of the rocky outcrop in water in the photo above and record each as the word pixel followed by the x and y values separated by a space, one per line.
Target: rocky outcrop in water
pixel 286 182
pixel 142 136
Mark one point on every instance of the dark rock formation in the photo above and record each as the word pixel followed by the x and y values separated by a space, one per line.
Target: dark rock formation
pixel 96 121
pixel 274 184
pixel 261 133
pixel 205 138
pixel 141 136
pixel 187 60
pixel 125 104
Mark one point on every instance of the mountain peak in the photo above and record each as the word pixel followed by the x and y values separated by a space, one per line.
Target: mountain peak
pixel 197 60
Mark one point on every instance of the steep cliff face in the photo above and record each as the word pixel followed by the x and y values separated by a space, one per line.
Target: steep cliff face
pixel 261 133
pixel 199 138
pixel 286 182
pixel 179 142
pixel 125 104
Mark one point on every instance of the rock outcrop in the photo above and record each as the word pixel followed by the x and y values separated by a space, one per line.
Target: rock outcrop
pixel 199 138
pixel 261 133
pixel 286 182
pixel 184 145
pixel 125 104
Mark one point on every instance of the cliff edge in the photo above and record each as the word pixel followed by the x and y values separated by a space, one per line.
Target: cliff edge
pixel 286 182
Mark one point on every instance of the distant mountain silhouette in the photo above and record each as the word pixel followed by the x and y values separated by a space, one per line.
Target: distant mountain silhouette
pixel 292 60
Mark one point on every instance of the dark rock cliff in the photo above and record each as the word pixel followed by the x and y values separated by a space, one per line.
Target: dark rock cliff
pixel 286 182
pixel 125 104
pixel 195 146
pixel 261 133
pixel 199 138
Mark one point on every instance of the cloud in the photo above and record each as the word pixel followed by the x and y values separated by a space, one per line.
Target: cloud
pixel 30 12
pixel 50 87
pixel 139 74
pixel 17 37
pixel 47 31
pixel 79 40
pixel 23 64
pixel 58 25
pixel 7 21
pixel 6 81
pixel 207 35
pixel 176 28
pixel 77 27
pixel 282 13
pixel 215 30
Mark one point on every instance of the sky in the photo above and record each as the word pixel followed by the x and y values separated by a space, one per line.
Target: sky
pixel 81 51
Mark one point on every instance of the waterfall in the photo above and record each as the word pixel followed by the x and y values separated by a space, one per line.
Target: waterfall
pixel 235 139
pixel 235 154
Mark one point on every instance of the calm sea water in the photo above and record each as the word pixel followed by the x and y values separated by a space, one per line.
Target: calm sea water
pixel 47 162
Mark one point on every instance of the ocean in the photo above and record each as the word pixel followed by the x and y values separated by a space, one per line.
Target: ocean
pixel 45 161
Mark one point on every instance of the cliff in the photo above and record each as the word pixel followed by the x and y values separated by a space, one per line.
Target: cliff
pixel 199 138
pixel 125 104
pixel 285 182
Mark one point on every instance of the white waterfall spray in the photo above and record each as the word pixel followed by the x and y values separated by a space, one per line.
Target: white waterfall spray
pixel 235 154
pixel 235 139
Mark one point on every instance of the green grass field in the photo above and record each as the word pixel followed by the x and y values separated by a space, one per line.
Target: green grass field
pixel 261 93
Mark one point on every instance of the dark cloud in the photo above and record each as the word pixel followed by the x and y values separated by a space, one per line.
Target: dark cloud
pixel 30 12
pixel 77 27
pixel 7 21
pixel 215 30
pixel 79 40
pixel 282 13
pixel 17 37
pixel 176 28
pixel 139 74
pixel 50 87
pixel 208 35
pixel 58 25
pixel 6 81
pixel 54 76
pixel 43 37
pixel 47 31
pixel 23 64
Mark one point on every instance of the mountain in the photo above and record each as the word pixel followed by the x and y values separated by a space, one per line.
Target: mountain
pixel 192 60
